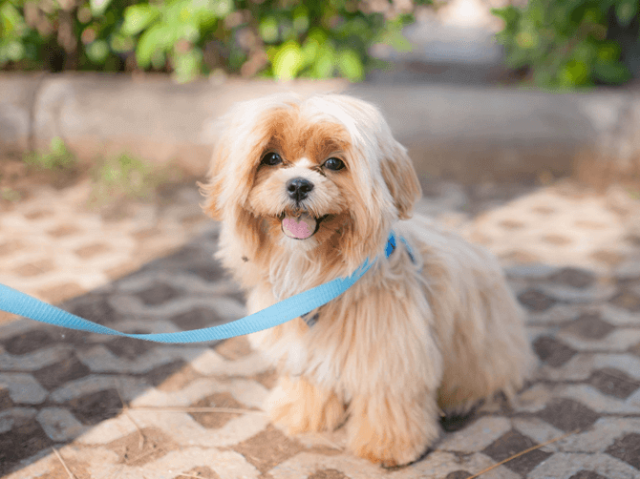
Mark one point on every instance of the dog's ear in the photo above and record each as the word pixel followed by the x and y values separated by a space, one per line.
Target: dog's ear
pixel 401 179
pixel 212 189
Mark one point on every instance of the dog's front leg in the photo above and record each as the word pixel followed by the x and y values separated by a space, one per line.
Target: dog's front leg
pixel 298 406
pixel 391 429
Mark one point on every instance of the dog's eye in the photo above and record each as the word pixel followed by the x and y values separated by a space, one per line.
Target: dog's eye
pixel 271 159
pixel 333 164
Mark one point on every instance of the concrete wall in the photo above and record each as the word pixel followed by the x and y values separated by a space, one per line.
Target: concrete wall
pixel 469 132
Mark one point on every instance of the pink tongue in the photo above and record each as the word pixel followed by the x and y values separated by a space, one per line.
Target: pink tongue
pixel 299 228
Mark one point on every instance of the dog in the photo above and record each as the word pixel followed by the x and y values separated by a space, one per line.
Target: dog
pixel 306 190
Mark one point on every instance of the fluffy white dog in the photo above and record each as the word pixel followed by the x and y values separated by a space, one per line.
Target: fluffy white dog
pixel 306 190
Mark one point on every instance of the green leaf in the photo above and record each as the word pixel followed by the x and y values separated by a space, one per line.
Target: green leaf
pixel 396 40
pixel 98 7
pixel 612 73
pixel 301 19
pixel 98 51
pixel 574 73
pixel 187 30
pixel 158 59
pixel 57 146
pixel 608 52
pixel 15 51
pixel 222 8
pixel 139 17
pixel 350 65
pixel 310 50
pixel 527 39
pixel 10 20
pixel 626 10
pixel 187 66
pixel 325 62
pixel 120 43
pixel 158 37
pixel 268 29
pixel 509 14
pixel 205 18
pixel 288 61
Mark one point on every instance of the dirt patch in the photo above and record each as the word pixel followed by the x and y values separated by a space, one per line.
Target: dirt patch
pixel 535 300
pixel 34 268
pixel 19 181
pixel 552 351
pixel 94 408
pixel 268 448
pixel 25 343
pixel 141 447
pixel 268 379
pixel 79 469
pixel 568 415
pixel 626 300
pixel 609 258
pixel 61 292
pixel 91 250
pixel 627 448
pixel 327 474
pixel 216 420
pixel 589 326
pixel 573 277
pixel 25 439
pixel 557 240
pixel 61 372
pixel 203 472
pixel 11 247
pixel 177 380
pixel 512 443
pixel 520 257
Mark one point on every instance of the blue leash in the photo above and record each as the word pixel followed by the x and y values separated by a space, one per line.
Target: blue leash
pixel 22 304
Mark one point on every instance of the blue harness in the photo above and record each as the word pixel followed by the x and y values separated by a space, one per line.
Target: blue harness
pixel 302 305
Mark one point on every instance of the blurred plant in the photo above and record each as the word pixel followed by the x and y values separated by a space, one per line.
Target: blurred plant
pixel 124 177
pixel 566 44
pixel 12 34
pixel 275 38
pixel 9 194
pixel 56 158
pixel 172 31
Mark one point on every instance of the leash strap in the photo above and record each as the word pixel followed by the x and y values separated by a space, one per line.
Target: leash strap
pixel 27 306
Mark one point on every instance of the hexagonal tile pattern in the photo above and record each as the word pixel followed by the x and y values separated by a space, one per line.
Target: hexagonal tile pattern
pixel 513 443
pixel 116 407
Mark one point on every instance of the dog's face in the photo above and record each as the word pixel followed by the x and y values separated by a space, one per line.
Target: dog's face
pixel 321 174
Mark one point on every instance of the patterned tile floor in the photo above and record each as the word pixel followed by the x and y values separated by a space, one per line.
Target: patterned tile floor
pixel 103 407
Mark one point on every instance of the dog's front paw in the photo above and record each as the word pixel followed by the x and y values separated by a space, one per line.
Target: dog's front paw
pixel 391 433
pixel 389 455
pixel 298 406
pixel 394 450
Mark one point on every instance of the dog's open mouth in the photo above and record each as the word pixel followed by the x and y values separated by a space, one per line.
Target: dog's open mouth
pixel 300 226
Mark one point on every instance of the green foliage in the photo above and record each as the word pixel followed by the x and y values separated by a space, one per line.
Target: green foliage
pixel 10 195
pixel 567 44
pixel 124 176
pixel 114 179
pixel 274 38
pixel 16 39
pixel 324 39
pixel 56 158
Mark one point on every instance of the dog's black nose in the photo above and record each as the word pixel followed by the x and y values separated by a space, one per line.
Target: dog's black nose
pixel 299 188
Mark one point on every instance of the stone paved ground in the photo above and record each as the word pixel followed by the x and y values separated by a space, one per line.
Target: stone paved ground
pixel 102 407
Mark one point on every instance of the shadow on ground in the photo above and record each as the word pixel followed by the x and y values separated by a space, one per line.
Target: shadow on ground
pixel 85 394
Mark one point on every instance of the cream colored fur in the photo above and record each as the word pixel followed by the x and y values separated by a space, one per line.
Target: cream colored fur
pixel 410 338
